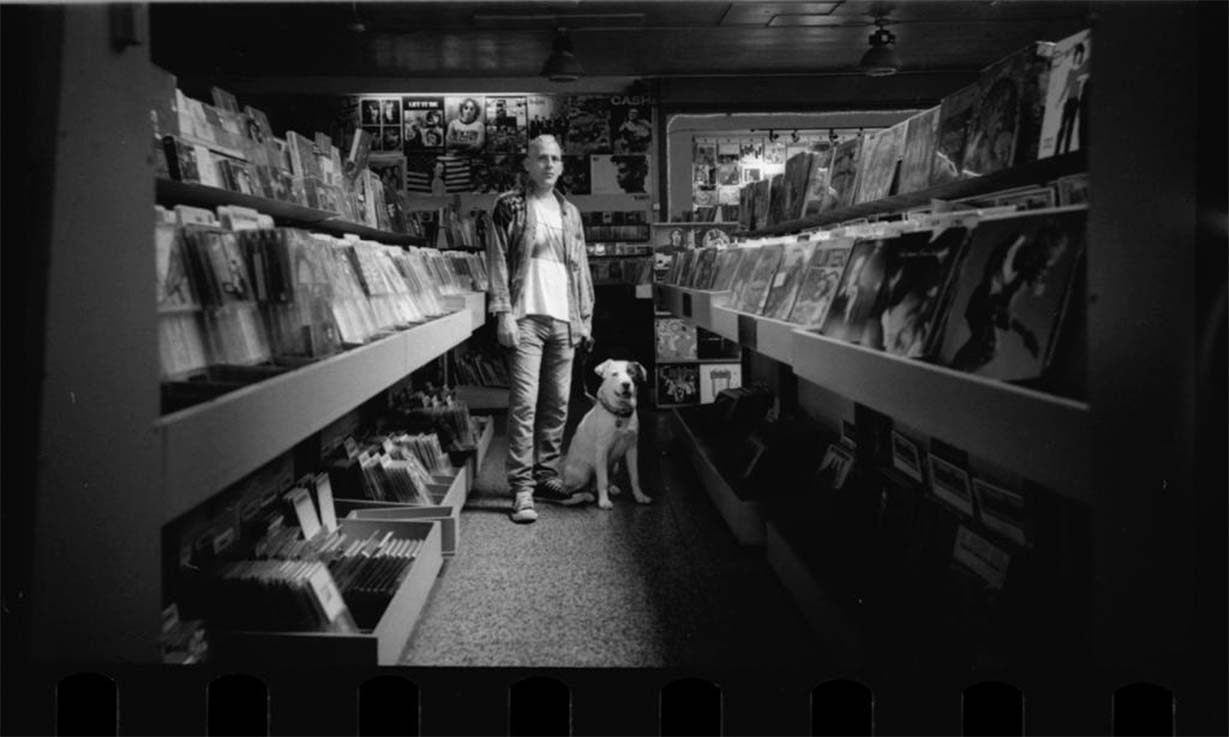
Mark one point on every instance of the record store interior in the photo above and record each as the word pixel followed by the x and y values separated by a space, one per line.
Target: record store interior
pixel 615 367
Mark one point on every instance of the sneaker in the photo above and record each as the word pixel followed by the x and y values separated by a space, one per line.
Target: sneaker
pixel 522 508
pixel 552 490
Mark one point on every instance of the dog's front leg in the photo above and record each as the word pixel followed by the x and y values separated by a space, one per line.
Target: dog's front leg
pixel 633 472
pixel 601 467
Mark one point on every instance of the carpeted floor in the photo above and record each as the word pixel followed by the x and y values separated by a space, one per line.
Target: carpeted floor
pixel 663 585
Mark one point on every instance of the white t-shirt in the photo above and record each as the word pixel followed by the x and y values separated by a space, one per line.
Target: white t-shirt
pixel 546 284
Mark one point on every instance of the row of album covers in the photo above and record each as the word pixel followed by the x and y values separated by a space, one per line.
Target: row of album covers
pixel 1027 106
pixel 232 290
pixel 986 295
pixel 226 147
pixel 976 544
pixel 692 365
pixel 271 553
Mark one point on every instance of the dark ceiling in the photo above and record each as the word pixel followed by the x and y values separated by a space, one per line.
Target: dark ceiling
pixel 617 39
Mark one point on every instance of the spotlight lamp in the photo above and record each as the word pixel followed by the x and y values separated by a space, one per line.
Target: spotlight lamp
pixel 880 60
pixel 562 64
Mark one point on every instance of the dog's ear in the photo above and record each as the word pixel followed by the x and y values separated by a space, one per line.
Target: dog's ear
pixel 602 367
pixel 637 371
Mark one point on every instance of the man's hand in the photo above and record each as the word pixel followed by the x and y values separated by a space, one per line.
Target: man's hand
pixel 506 330
pixel 586 343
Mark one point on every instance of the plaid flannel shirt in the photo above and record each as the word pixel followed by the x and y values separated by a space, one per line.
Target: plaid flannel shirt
pixel 508 252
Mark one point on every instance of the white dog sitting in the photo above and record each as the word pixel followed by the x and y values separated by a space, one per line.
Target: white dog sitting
pixel 606 434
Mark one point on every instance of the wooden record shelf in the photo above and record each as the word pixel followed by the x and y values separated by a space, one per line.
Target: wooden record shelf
pixel 1037 172
pixel 170 193
pixel 211 445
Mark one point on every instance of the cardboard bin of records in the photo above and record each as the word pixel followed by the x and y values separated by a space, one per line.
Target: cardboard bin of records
pixel 345 641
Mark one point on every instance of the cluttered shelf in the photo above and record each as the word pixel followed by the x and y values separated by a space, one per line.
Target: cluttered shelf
pixel 170 193
pixel 1035 172
pixel 211 445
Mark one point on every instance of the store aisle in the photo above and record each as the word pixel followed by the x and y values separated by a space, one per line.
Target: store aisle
pixel 664 585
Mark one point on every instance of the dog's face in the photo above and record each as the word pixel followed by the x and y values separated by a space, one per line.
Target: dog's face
pixel 619 378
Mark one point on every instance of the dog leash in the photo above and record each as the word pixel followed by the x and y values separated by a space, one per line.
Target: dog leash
pixel 587 348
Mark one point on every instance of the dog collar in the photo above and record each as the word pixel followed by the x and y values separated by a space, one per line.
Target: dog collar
pixel 615 411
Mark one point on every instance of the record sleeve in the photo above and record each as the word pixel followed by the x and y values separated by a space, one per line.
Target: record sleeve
pixel 844 176
pixel 759 283
pixel 703 278
pixel 919 275
pixel 1064 126
pixel 727 266
pixel 676 339
pixel 881 154
pixel 921 134
pixel 776 199
pixel 857 294
pixel 797 178
pixel 588 129
pixel 784 290
pixel 422 123
pixel 742 276
pixel 465 129
pixel 819 281
pixel 677 384
pixel 716 378
pixel 576 175
pixel 620 174
pixel 818 192
pixel 548 115
pixel 1006 123
pixel 631 124
pixel 955 115
pixel 507 124
pixel 1010 294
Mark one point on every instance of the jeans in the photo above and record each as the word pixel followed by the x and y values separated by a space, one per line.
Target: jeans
pixel 541 373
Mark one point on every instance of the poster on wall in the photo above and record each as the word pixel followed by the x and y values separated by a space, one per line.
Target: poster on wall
pixel 465 131
pixel 496 173
pixel 391 171
pixel 677 384
pixel 588 125
pixel 716 378
pixel 423 123
pixel 631 125
pixel 576 175
pixel 507 121
pixel 433 174
pixel 620 174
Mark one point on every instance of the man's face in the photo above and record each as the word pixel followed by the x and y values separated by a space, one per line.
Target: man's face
pixel 544 163
pixel 469 111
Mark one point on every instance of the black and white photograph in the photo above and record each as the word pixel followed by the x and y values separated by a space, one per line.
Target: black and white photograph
pixel 649 367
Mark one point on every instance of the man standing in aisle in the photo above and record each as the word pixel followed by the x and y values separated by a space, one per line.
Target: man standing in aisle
pixel 542 296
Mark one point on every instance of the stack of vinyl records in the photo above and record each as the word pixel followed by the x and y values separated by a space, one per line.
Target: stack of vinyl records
pixel 282 595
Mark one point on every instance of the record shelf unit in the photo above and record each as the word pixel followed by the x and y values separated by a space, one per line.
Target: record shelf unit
pixel 1127 451
pixel 112 471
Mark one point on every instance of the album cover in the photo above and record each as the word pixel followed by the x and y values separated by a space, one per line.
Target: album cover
pixel 422 123
pixel 834 469
pixel 703 275
pixel 857 293
pixel 844 177
pixel 776 199
pixel 905 457
pixel 676 339
pixel 955 115
pixel 620 174
pixel 677 384
pixel 716 378
pixel 507 124
pixel 921 135
pixel 742 276
pixel 920 269
pixel 369 111
pixel 784 290
pixel 818 194
pixel 1004 512
pixel 753 296
pixel 1073 189
pixel 588 125
pixel 727 197
pixel 1032 198
pixel 819 281
pixel 797 181
pixel 727 265
pixel 357 153
pixel 576 175
pixel 465 127
pixel 1064 126
pixel 950 483
pixel 632 128
pixel 881 154
pixel 1005 127
pixel 547 115
pixel 1010 294
pixel 174 288
pixel 727 170
pixel 763 203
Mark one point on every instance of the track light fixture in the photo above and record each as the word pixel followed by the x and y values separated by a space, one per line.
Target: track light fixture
pixel 880 60
pixel 562 65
